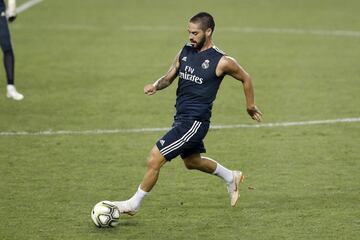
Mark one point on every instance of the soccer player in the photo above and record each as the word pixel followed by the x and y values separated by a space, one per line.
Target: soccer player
pixel 201 67
pixel 6 47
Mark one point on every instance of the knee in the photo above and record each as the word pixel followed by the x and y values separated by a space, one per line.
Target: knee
pixel 8 51
pixel 155 160
pixel 6 46
pixel 190 165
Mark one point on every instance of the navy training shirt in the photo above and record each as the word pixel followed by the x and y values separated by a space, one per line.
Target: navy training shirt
pixel 198 83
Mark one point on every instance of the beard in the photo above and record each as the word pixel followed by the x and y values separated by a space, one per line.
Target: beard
pixel 198 45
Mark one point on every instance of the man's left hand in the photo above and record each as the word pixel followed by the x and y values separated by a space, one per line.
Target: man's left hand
pixel 254 113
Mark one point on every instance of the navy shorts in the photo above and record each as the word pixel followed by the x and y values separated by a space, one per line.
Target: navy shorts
pixel 185 138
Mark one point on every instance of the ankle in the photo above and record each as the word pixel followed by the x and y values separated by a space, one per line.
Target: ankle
pixel 137 198
pixel 224 173
pixel 11 87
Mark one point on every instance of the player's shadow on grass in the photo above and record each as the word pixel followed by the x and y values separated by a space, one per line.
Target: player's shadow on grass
pixel 123 224
pixel 128 223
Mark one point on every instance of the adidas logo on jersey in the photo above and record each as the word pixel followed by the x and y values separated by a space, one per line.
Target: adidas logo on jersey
pixel 184 59
pixel 162 142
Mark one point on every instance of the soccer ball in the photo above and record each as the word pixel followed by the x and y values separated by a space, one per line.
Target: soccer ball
pixel 105 214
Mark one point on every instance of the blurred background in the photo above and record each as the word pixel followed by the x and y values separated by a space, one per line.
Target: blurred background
pixel 82 65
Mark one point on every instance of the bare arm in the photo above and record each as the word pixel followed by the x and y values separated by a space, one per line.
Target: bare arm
pixel 165 80
pixel 229 66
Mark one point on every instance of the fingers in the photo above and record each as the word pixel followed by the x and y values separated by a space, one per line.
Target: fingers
pixel 257 116
pixel 149 89
pixel 150 93
pixel 258 111
pixel 255 113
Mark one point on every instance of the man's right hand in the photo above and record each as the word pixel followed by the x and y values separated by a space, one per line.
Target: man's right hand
pixel 150 89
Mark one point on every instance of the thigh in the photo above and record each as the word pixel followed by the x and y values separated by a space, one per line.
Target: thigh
pixel 194 149
pixel 156 160
pixel 184 135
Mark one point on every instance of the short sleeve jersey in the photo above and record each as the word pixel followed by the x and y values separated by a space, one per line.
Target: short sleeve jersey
pixel 198 83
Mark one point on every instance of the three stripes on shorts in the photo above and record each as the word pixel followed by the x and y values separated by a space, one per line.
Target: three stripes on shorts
pixel 186 137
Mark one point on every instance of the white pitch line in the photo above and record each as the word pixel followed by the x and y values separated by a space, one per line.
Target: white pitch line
pixel 137 130
pixel 321 32
pixel 27 5
pixel 343 33
pixel 245 30
pixel 288 124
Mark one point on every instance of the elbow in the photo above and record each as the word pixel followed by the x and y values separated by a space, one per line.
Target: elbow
pixel 246 79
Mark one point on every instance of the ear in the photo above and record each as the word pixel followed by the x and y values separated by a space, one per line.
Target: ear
pixel 208 32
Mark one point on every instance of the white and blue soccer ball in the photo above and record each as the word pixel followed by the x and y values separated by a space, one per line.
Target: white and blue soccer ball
pixel 105 214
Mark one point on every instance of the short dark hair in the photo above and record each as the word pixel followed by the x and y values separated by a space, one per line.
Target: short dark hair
pixel 205 19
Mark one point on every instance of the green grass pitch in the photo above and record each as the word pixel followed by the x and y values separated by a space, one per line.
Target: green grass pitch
pixel 82 66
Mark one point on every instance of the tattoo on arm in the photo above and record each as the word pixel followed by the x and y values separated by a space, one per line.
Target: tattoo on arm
pixel 161 83
pixel 167 79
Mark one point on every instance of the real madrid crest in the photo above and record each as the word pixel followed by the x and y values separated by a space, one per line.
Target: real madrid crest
pixel 205 64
